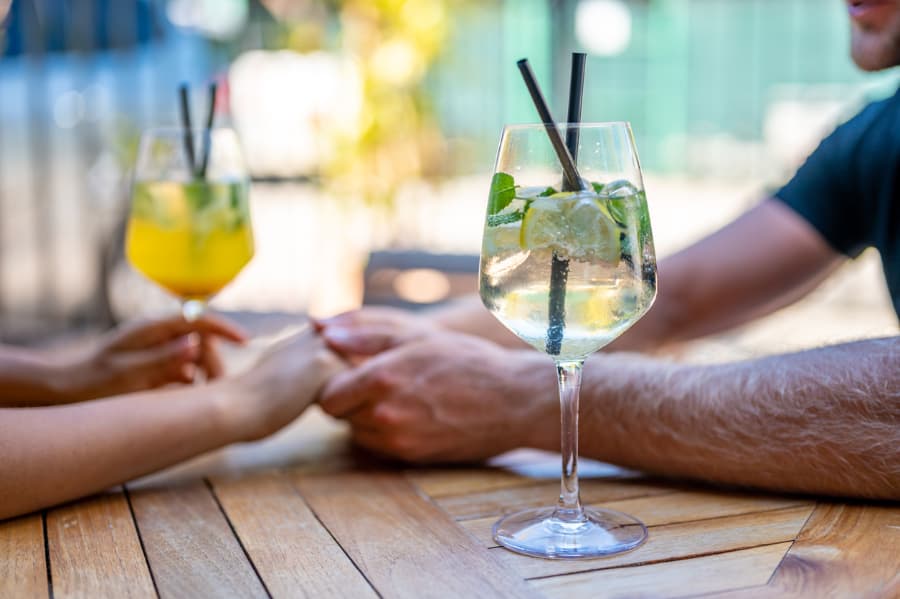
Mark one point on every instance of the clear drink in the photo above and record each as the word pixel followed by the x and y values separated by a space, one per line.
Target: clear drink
pixel 609 285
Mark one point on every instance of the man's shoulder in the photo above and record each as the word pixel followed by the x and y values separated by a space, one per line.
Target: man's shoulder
pixel 874 116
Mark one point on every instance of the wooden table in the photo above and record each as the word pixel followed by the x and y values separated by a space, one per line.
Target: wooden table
pixel 302 514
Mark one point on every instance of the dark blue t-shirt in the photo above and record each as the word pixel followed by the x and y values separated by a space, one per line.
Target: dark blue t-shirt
pixel 849 188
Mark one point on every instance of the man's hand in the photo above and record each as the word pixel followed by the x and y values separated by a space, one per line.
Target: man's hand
pixel 445 397
pixel 145 355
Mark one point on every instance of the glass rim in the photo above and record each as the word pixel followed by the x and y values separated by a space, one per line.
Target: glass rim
pixel 580 125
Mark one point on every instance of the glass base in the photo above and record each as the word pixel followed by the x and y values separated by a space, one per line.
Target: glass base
pixel 539 533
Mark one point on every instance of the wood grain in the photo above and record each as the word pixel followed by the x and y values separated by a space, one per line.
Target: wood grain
pixel 190 546
pixel 463 481
pixel 674 508
pixel 95 551
pixel 544 493
pixel 293 553
pixel 680 578
pixel 404 544
pixel 843 551
pixel 679 541
pixel 23 569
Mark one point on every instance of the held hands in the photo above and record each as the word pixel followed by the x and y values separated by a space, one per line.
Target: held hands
pixel 431 395
pixel 145 355
pixel 284 382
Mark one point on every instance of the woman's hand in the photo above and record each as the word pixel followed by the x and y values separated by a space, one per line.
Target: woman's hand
pixel 281 385
pixel 145 355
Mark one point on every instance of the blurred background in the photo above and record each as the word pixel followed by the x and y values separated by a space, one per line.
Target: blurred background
pixel 370 128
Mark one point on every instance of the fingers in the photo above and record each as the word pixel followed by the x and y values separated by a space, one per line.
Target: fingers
pixel 366 340
pixel 210 360
pixel 154 332
pixel 170 362
pixel 349 390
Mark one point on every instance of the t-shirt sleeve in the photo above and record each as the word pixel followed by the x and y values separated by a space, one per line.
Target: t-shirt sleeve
pixel 825 190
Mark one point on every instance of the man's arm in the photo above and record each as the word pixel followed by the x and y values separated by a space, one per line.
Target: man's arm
pixel 824 421
pixel 765 260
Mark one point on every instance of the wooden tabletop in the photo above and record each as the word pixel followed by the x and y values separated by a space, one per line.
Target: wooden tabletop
pixel 302 514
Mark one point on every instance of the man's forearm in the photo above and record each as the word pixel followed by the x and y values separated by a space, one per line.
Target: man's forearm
pixel 823 421
pixel 58 453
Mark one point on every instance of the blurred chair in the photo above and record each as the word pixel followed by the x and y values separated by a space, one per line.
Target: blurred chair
pixel 416 280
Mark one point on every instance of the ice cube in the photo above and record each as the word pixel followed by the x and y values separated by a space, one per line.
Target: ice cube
pixel 620 189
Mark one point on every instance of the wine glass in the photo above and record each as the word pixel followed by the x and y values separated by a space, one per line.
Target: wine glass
pixel 189 229
pixel 568 272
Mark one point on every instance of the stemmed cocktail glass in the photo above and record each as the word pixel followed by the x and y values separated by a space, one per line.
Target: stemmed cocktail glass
pixel 568 272
pixel 189 230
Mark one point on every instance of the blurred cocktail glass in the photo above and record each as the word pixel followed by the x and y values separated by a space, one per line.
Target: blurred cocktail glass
pixel 189 231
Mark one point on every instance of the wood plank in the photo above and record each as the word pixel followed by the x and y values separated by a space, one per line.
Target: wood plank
pixel 844 550
pixel 678 541
pixel 673 508
pixel 292 551
pixel 404 544
pixel 443 482
pixel 95 550
pixel 190 546
pixel 23 569
pixel 707 574
pixel 544 493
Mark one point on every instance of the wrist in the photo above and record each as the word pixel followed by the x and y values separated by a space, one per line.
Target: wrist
pixel 229 401
pixel 536 414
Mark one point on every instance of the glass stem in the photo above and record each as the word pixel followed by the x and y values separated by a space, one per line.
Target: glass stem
pixel 193 309
pixel 569 376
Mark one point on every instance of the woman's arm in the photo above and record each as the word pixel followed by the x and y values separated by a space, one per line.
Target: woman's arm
pixel 58 453
pixel 138 356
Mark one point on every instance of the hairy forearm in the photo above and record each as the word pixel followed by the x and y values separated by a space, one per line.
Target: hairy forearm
pixel 58 453
pixel 824 421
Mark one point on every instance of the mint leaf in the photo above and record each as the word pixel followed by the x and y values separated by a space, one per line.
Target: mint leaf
pixel 495 220
pixel 503 190
pixel 598 187
pixel 547 192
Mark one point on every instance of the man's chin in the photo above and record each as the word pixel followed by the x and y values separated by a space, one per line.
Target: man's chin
pixel 873 52
pixel 874 57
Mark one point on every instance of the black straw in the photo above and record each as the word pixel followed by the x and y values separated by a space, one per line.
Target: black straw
pixel 207 132
pixel 576 93
pixel 186 125
pixel 559 267
pixel 571 180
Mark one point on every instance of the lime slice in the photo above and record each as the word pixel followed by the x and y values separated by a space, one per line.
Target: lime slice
pixel 501 239
pixel 593 234
pixel 544 225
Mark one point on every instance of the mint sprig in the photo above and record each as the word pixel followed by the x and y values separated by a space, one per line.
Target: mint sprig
pixel 503 190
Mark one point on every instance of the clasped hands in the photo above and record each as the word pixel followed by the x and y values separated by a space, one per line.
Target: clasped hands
pixel 418 392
